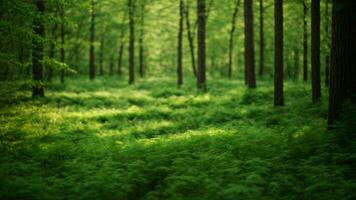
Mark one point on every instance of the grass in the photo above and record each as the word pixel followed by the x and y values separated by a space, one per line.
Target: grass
pixel 107 140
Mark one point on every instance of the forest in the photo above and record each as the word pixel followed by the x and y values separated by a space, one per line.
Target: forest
pixel 178 99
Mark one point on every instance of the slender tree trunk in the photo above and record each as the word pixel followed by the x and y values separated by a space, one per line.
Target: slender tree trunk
pixel 232 35
pixel 305 42
pixel 201 79
pixel 316 90
pixel 37 52
pixel 262 40
pixel 190 40
pixel 62 44
pixel 249 45
pixel 92 40
pixel 132 42
pixel 141 47
pixel 101 55
pixel 52 51
pixel 343 62
pixel 278 76
pixel 180 44
pixel 121 51
pixel 111 66
pixel 327 57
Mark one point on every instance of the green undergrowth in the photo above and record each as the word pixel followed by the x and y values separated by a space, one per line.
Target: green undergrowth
pixel 107 140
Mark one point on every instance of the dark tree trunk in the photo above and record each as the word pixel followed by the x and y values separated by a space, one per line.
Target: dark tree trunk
pixel 132 42
pixel 201 79
pixel 141 47
pixel 180 44
pixel 232 35
pixel 278 71
pixel 92 40
pixel 52 52
pixel 305 42
pixel 101 55
pixel 62 44
pixel 190 40
pixel 316 90
pixel 262 41
pixel 343 62
pixel 249 45
pixel 37 52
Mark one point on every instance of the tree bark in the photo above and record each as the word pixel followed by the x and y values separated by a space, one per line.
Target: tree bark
pixel 316 90
pixel 278 76
pixel 92 40
pixel 262 40
pixel 305 41
pixel 201 79
pixel 249 45
pixel 343 62
pixel 190 40
pixel 180 44
pixel 232 35
pixel 132 42
pixel 37 52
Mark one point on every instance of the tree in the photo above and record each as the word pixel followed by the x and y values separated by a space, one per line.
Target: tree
pixel 190 39
pixel 52 51
pixel 343 62
pixel 232 35
pixel 37 52
pixel 262 40
pixel 132 41
pixel 92 40
pixel 249 45
pixel 62 43
pixel 180 44
pixel 305 41
pixel 327 57
pixel 201 76
pixel 315 41
pixel 278 71
pixel 101 54
pixel 141 47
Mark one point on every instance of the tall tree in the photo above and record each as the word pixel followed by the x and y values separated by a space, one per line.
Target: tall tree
pixel 305 41
pixel 121 52
pixel 132 41
pixel 201 76
pixel 92 40
pixel 37 52
pixel 62 43
pixel 315 41
pixel 278 70
pixel 180 44
pixel 232 36
pixel 190 39
pixel 141 38
pixel 249 45
pixel 262 40
pixel 343 62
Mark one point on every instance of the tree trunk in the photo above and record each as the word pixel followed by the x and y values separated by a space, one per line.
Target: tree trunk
pixel 305 42
pixel 232 35
pixel 316 90
pixel 141 48
pixel 249 45
pixel 278 76
pixel 343 62
pixel 262 40
pixel 190 40
pixel 111 66
pixel 121 51
pixel 37 52
pixel 101 55
pixel 62 44
pixel 132 42
pixel 180 44
pixel 327 57
pixel 52 52
pixel 201 79
pixel 92 40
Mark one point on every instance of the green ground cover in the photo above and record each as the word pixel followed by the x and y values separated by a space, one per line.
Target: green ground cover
pixel 107 140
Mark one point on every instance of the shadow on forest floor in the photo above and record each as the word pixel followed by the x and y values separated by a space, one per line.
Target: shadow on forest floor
pixel 106 140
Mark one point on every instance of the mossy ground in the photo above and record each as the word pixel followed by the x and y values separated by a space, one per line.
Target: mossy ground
pixel 107 140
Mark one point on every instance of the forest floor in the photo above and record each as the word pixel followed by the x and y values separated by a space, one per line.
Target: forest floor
pixel 107 140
